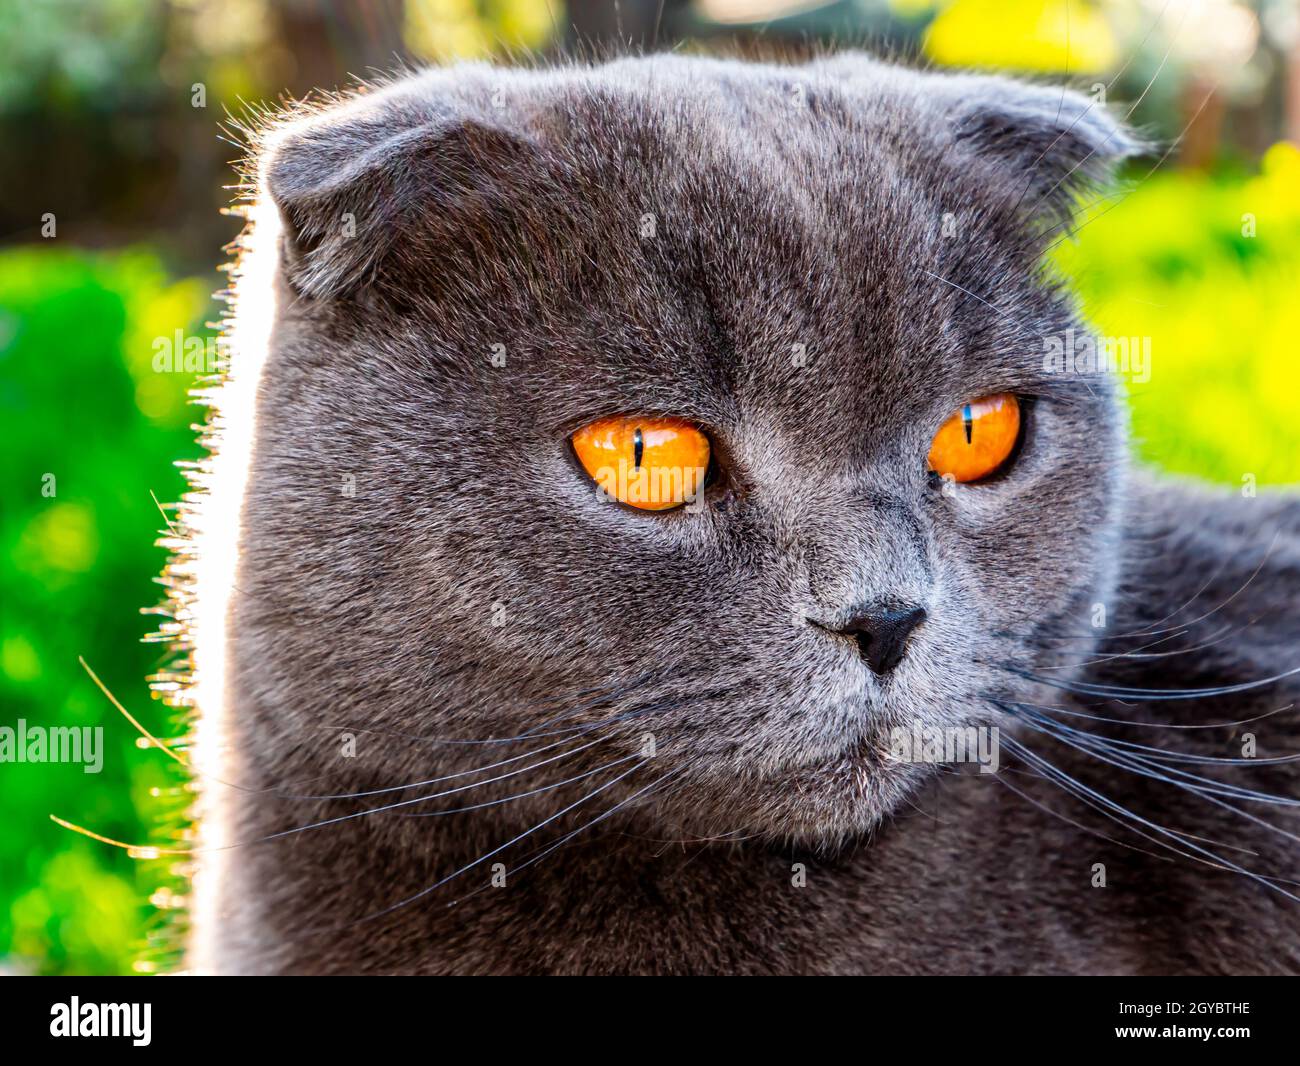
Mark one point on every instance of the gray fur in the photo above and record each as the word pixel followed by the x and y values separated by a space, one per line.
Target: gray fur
pixel 892 223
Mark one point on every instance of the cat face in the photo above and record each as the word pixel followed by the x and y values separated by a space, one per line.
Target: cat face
pixel 812 268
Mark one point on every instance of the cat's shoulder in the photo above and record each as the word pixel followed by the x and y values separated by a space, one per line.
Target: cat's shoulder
pixel 1209 587
pixel 1182 532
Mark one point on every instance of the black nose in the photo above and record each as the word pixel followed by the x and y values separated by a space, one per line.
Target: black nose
pixel 882 632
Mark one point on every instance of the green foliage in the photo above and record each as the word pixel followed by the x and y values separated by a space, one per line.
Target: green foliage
pixel 85 417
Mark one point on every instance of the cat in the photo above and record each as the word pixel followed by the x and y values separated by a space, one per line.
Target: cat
pixel 460 712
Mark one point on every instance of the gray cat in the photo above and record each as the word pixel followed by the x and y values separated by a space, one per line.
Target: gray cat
pixel 910 673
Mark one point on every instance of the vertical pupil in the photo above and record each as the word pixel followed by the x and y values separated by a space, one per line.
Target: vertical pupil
pixel 638 446
pixel 966 419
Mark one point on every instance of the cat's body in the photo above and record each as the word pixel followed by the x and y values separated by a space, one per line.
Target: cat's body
pixel 423 574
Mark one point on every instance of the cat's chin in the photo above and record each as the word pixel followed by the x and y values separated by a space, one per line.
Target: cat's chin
pixel 822 805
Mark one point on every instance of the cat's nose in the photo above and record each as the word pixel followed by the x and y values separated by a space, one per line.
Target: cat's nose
pixel 881 633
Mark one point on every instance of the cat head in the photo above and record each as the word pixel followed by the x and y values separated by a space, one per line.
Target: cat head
pixel 813 269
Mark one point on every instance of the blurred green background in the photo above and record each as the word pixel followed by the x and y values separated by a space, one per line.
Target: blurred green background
pixel 111 112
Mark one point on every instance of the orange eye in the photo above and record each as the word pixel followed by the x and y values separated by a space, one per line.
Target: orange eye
pixel 650 463
pixel 977 439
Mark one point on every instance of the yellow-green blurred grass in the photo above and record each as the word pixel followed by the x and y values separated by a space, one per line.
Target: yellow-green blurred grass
pixel 1174 260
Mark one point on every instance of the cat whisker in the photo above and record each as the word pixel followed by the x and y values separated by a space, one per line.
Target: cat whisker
pixel 1162 725
pixel 1085 688
pixel 419 799
pixel 1268 553
pixel 1154 628
pixel 609 692
pixel 1141 44
pixel 521 795
pixel 1070 229
pixel 495 851
pixel 438 780
pixel 538 855
pixel 1207 794
pixel 1140 652
pixel 666 703
pixel 1263 823
pixel 1111 810
pixel 1127 115
pixel 1214 576
pixel 1103 749
pixel 1077 824
pixel 566 736
pixel 1182 834
pixel 631 686
pixel 151 851
pixel 603 695
pixel 1218 638
pixel 1182 838
pixel 733 836
pixel 1034 166
pixel 975 296
pixel 154 851
pixel 1129 750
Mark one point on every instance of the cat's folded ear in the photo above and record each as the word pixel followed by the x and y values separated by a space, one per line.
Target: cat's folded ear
pixel 1038 146
pixel 351 183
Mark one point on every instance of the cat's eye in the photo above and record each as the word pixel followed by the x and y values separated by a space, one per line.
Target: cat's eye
pixel 978 439
pixel 651 463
